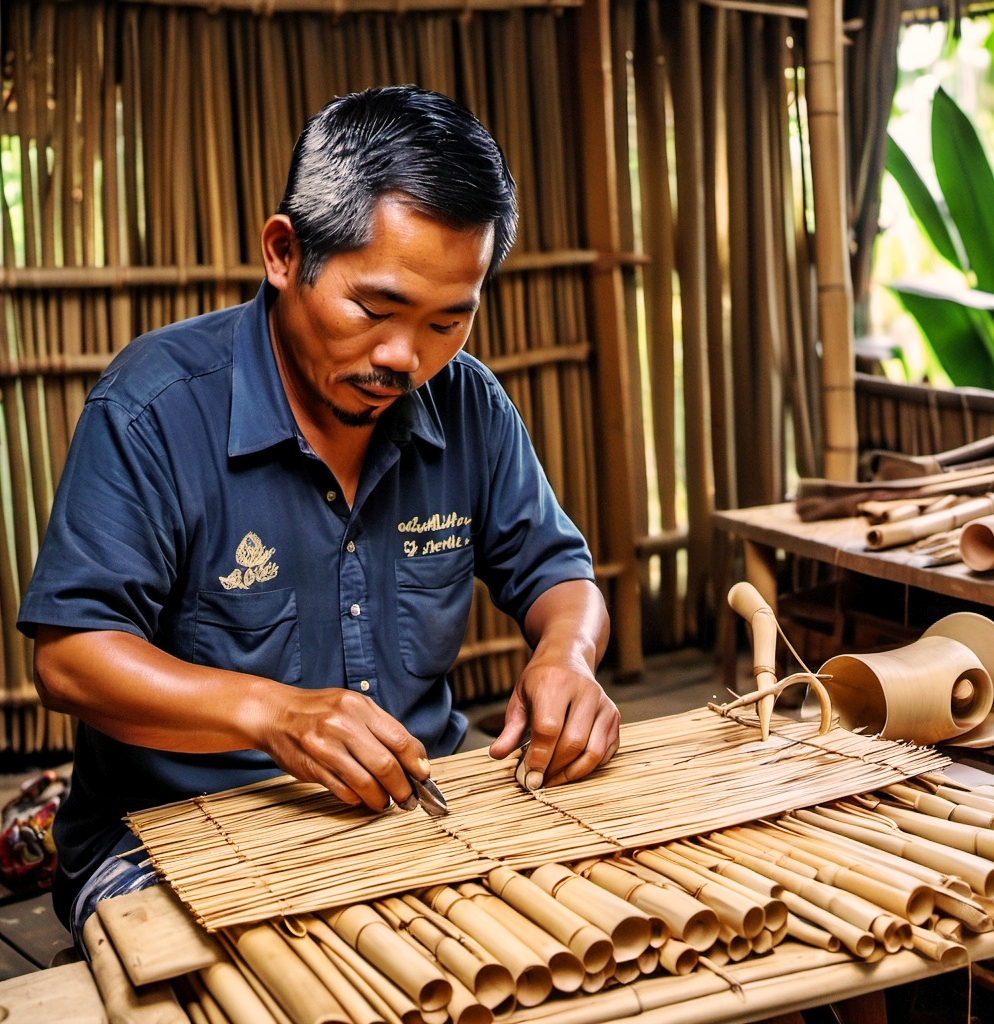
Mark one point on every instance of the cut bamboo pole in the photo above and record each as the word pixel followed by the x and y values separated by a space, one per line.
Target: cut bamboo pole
pixel 630 928
pixel 370 936
pixel 824 98
pixel 532 977
pixel 687 919
pixel 482 973
pixel 565 966
pixel 591 944
pixel 292 983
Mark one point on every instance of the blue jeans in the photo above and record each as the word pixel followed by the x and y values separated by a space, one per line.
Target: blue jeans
pixel 115 877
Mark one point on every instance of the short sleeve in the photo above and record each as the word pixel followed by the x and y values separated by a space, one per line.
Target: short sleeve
pixel 108 557
pixel 527 543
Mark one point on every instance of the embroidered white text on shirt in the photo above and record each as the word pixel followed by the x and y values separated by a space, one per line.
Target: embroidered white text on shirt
pixel 255 559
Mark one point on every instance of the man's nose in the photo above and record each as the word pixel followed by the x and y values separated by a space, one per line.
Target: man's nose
pixel 398 351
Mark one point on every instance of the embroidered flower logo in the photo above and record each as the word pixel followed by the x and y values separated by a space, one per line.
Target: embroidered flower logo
pixel 254 557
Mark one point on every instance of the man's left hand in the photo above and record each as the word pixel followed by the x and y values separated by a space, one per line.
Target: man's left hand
pixel 557 705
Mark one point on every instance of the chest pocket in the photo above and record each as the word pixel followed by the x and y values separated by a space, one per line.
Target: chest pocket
pixel 434 594
pixel 255 632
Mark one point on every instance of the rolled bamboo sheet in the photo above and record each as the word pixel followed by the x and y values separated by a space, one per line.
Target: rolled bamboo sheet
pixel 929 691
pixel 976 544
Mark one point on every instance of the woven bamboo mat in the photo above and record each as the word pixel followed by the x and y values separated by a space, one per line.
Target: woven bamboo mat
pixel 284 846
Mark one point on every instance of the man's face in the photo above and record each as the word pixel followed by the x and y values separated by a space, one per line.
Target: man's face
pixel 380 321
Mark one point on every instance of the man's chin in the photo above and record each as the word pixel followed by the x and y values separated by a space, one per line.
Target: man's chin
pixel 359 418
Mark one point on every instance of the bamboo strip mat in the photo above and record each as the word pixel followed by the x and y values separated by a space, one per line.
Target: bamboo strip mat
pixel 284 846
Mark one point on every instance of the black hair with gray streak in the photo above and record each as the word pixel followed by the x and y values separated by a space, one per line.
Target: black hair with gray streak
pixel 396 139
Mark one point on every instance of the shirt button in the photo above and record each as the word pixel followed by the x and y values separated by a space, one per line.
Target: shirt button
pixel 354 610
pixel 350 547
pixel 364 685
pixel 330 497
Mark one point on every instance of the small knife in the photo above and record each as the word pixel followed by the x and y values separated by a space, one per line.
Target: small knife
pixel 429 796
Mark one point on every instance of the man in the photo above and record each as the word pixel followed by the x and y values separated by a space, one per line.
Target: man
pixel 262 549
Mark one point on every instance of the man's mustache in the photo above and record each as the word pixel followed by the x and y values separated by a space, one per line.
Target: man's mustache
pixel 394 381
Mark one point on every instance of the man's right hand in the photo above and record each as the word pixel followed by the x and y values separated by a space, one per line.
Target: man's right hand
pixel 349 744
pixel 124 686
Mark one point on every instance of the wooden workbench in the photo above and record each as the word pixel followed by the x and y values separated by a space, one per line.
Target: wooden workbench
pixel 765 529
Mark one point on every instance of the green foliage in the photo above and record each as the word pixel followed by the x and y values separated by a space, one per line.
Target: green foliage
pixel 958 324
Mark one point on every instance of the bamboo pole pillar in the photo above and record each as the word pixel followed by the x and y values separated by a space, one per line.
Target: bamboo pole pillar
pixel 607 298
pixel 824 94
pixel 688 106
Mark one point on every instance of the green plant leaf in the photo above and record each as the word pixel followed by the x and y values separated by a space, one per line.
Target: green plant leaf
pixel 959 328
pixel 934 223
pixel 967 183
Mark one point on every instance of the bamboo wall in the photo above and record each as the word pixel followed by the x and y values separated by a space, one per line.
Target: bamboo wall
pixel 662 323
pixel 153 141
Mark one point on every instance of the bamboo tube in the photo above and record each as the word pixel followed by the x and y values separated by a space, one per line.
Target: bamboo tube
pixel 975 871
pixel 811 935
pixel 371 937
pixel 855 911
pixel 272 1006
pixel 676 957
pixel 357 1008
pixel 915 903
pixel 774 912
pixel 208 1006
pixel 931 690
pixel 596 980
pixel 565 966
pixel 939 807
pixel 629 927
pixel 935 946
pixel 737 946
pixel 889 535
pixel 824 95
pixel 294 985
pixel 688 919
pixel 532 978
pixel 972 838
pixel 743 915
pixel 623 884
pixel 591 944
pixel 395 1006
pixel 233 993
pixel 915 897
pixel 489 980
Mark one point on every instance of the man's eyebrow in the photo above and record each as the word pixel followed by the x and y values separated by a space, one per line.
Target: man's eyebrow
pixel 469 306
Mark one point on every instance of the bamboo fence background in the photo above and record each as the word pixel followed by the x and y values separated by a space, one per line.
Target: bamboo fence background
pixel 151 140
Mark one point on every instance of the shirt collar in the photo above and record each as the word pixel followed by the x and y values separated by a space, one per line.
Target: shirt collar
pixel 260 412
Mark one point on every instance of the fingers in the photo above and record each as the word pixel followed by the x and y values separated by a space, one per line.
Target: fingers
pixel 562 751
pixel 356 750
pixel 515 729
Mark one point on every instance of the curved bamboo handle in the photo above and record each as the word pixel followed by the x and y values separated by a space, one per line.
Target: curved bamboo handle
pixel 747 601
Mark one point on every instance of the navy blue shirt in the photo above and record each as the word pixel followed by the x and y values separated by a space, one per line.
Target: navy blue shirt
pixel 192 512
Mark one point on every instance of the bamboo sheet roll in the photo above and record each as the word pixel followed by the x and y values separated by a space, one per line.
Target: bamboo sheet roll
pixel 929 691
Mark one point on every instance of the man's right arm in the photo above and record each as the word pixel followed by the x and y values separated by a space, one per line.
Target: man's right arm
pixel 129 689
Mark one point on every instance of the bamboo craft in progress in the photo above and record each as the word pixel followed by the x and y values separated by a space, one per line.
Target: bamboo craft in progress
pixel 898 874
pixel 286 847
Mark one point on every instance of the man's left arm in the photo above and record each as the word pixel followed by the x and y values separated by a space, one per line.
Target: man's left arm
pixel 557 703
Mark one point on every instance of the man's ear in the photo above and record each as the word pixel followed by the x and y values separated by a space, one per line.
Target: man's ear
pixel 280 252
